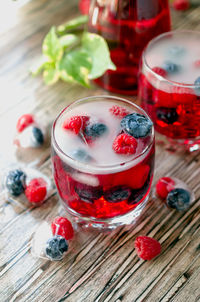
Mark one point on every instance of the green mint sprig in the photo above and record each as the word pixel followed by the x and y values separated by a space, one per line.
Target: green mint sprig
pixel 73 55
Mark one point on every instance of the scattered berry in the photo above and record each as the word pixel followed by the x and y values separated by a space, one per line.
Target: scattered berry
pixel 36 190
pixel 84 6
pixel 119 111
pixel 167 115
pixel 15 182
pixel 56 247
pixel 88 193
pixel 162 72
pixel 181 4
pixel 95 130
pixel 164 186
pixel 117 194
pixel 147 248
pixel 171 67
pixel 24 121
pixel 38 136
pixel 136 125
pixel 124 144
pixel 81 155
pixel 63 227
pixel 179 199
pixel 75 123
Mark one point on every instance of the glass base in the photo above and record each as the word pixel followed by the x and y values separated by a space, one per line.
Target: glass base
pixel 174 145
pixel 110 223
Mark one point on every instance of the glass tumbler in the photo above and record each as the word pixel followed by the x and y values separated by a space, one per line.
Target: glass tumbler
pixel 169 86
pixel 103 175
pixel 127 26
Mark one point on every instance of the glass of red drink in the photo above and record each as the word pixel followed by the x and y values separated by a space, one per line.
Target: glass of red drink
pixel 127 27
pixel 103 159
pixel 169 86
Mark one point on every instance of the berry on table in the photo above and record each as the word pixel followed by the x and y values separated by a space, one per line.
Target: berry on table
pixel 63 227
pixel 117 194
pixel 15 182
pixel 137 125
pixel 179 199
pixel 119 111
pixel 36 190
pixel 147 248
pixel 24 121
pixel 164 186
pixel 75 123
pixel 167 115
pixel 181 4
pixel 124 144
pixel 162 72
pixel 95 130
pixel 171 67
pixel 38 136
pixel 56 247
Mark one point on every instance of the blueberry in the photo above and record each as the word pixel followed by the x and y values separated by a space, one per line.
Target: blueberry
pixel 15 182
pixel 81 155
pixel 55 247
pixel 38 136
pixel 178 199
pixel 117 194
pixel 88 193
pixel 167 115
pixel 171 67
pixel 95 130
pixel 137 195
pixel 136 125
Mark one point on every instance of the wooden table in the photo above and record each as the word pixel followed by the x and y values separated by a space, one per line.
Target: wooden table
pixel 100 266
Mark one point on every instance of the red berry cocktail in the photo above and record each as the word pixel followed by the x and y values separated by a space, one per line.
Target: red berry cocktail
pixel 103 159
pixel 169 86
pixel 127 27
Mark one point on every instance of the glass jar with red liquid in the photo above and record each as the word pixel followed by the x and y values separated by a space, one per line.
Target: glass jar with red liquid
pixel 103 161
pixel 127 26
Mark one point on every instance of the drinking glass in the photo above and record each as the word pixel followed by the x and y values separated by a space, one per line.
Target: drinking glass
pixel 95 184
pixel 169 86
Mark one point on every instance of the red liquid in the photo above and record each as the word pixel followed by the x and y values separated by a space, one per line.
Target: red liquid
pixel 176 113
pixel 127 26
pixel 94 202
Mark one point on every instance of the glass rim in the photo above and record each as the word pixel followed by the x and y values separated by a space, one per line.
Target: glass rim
pixel 144 60
pixel 94 167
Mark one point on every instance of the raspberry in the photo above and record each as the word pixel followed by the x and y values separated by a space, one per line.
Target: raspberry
pixel 36 190
pixel 162 72
pixel 164 186
pixel 181 5
pixel 75 123
pixel 63 227
pixel 84 6
pixel 119 111
pixel 125 144
pixel 24 121
pixel 146 247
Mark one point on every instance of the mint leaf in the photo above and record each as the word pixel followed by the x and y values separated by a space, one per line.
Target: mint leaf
pixel 41 64
pixel 51 76
pixel 68 40
pixel 76 66
pixel 73 24
pixel 98 50
pixel 51 47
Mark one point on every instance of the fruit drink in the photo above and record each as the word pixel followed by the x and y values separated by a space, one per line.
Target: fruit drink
pixel 103 157
pixel 127 27
pixel 169 87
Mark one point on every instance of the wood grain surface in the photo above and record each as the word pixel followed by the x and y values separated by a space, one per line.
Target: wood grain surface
pixel 101 266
